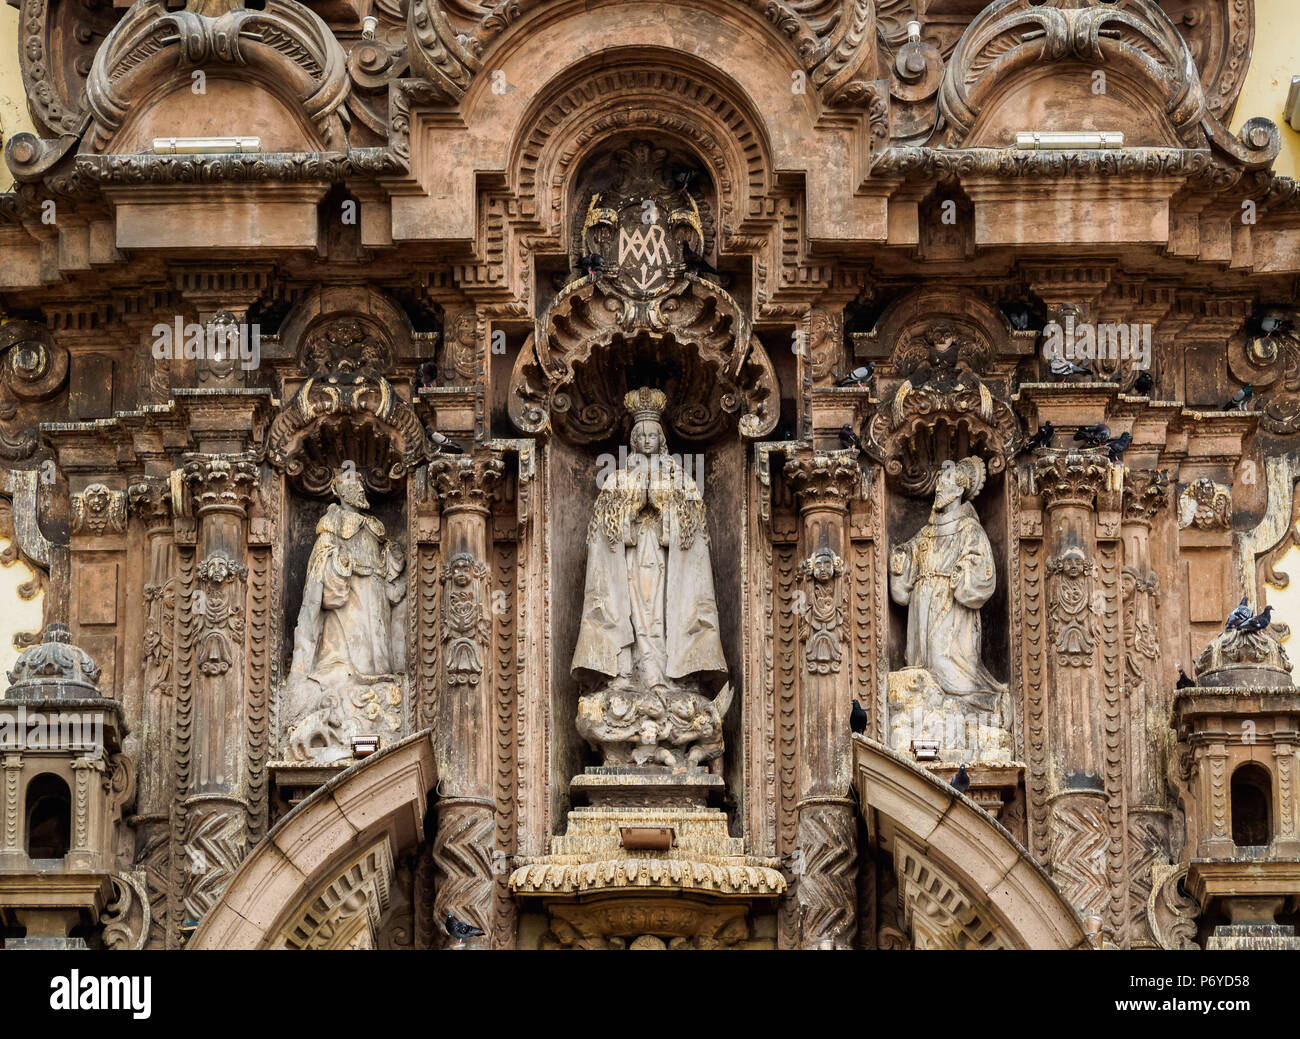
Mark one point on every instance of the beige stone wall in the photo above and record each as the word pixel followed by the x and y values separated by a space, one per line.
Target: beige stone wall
pixel 13 105
pixel 15 614
pixel 1275 60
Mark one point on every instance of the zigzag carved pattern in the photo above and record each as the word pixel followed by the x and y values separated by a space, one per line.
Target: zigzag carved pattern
pixel 259 688
pixel 1116 741
pixel 503 935
pixel 1079 843
pixel 155 857
pixel 1146 845
pixel 827 892
pixel 462 862
pixel 215 847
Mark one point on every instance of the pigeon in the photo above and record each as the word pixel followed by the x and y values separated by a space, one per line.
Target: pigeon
pixel 1272 323
pixel 961 781
pixel 697 264
pixel 1183 681
pixel 1116 446
pixel 443 444
pixel 859 376
pixel 1093 436
pixel 426 376
pixel 1063 369
pixel 1143 384
pixel 590 263
pixel 684 177
pixel 1239 399
pixel 849 438
pixel 858 718
pixel 1256 623
pixel 460 930
pixel 1043 438
pixel 1239 616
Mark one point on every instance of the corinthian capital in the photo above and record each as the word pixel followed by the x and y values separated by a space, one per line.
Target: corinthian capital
pixel 466 481
pixel 150 498
pixel 824 478
pixel 1145 494
pixel 221 483
pixel 1070 478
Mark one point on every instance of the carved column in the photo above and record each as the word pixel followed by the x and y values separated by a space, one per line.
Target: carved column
pixel 827 849
pixel 150 500
pixel 466 809
pixel 216 806
pixel 1146 707
pixel 1078 841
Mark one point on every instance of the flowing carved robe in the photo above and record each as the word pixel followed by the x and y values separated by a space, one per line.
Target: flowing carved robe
pixel 348 629
pixel 649 608
pixel 947 576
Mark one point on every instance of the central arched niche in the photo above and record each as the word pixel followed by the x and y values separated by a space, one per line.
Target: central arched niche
pixel 651 313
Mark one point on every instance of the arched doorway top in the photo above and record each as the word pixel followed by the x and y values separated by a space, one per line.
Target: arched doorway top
pixel 328 862
pixel 949 852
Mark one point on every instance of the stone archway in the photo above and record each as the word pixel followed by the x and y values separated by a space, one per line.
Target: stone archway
pixel 963 881
pixel 320 879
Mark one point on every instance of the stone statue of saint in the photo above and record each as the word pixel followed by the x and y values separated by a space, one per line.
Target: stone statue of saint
pixel 649 633
pixel 349 647
pixel 944 575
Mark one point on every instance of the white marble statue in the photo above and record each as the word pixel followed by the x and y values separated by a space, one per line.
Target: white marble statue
pixel 944 575
pixel 649 633
pixel 349 646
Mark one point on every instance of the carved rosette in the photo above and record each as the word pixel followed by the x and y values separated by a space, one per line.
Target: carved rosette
pixel 98 510
pixel 1070 478
pixel 1205 505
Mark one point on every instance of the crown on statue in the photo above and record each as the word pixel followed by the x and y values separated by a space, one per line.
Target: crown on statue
pixel 646 404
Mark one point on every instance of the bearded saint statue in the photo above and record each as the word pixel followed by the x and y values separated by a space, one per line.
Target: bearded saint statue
pixel 649 631
pixel 944 575
pixel 349 646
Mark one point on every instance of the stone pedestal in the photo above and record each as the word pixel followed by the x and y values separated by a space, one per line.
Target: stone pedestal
pixel 920 710
pixel 647 860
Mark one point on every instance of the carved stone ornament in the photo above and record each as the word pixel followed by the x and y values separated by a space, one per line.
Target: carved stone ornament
pixel 821 613
pixel 341 417
pixel 465 620
pixel 643 309
pixel 1271 364
pixel 1072 623
pixel 98 510
pixel 285 46
pixel 941 410
pixel 218 604
pixel 1205 505
pixel 1171 911
pixel 1010 40
pixel 54 669
pixel 935 911
pixel 34 368
pixel 1254 660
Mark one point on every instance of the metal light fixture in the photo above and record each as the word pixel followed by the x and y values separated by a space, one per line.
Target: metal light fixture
pixel 913 32
pixel 368 26
pixel 1045 140
pixel 1292 110
pixel 364 746
pixel 205 145
pixel 925 750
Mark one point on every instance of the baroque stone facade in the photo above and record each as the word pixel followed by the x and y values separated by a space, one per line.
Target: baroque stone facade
pixel 604 475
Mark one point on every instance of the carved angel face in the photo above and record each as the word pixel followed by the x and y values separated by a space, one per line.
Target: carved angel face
pixel 96 498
